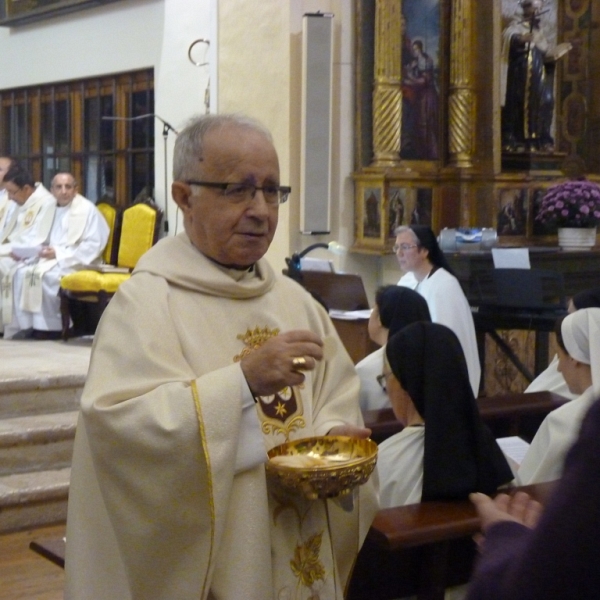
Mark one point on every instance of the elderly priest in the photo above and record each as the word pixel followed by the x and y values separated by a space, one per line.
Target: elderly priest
pixel 78 236
pixel 204 360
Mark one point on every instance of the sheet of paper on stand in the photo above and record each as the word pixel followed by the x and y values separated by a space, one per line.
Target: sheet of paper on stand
pixel 514 449
pixel 511 258
pixel 316 264
pixel 23 252
pixel 350 315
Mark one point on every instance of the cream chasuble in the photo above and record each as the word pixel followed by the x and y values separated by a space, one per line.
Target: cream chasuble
pixel 155 508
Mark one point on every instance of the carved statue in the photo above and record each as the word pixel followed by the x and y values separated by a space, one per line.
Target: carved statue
pixel 528 65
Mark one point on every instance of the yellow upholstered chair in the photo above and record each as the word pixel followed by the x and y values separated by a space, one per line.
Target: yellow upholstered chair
pixel 140 224
pixel 111 214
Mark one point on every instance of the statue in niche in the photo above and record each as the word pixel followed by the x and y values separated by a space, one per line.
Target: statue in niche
pixel 528 65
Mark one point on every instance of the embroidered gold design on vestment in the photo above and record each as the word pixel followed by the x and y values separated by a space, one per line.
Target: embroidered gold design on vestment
pixel 28 218
pixel 254 338
pixel 306 565
pixel 280 413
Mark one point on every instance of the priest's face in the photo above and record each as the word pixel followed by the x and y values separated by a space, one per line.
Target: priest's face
pixel 63 188
pixel 19 194
pixel 233 230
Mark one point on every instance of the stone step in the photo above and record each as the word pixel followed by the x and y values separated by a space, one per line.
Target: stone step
pixel 40 395
pixel 37 442
pixel 29 500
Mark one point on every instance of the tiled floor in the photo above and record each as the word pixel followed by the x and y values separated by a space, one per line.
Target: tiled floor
pixel 27 359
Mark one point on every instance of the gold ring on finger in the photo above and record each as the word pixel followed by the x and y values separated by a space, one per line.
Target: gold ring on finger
pixel 299 363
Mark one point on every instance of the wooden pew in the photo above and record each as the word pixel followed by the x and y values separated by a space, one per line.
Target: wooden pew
pixel 420 549
pixel 505 414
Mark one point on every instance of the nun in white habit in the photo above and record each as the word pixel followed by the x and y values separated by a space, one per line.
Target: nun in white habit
pixel 578 337
pixel 551 380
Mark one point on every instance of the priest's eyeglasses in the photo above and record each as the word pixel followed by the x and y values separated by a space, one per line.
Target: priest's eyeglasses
pixel 236 193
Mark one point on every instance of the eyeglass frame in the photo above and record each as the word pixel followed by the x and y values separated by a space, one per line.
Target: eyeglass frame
pixel 404 247
pixel 382 379
pixel 283 191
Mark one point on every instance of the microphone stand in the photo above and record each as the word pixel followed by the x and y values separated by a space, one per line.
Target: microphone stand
pixel 294 265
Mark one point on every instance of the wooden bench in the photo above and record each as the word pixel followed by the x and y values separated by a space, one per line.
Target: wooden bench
pixel 505 414
pixel 421 549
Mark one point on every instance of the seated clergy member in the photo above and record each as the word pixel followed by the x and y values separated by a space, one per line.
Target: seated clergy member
pixel 578 337
pixel 205 359
pixel 78 236
pixel 428 273
pixel 551 380
pixel 445 451
pixel 35 213
pixel 395 307
pixel 7 206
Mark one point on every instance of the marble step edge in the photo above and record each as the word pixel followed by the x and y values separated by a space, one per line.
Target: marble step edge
pixel 38 429
pixel 41 382
pixel 26 488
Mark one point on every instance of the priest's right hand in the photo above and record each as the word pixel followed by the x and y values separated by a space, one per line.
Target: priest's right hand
pixel 281 360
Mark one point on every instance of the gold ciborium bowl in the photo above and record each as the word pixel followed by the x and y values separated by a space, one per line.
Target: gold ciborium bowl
pixel 322 467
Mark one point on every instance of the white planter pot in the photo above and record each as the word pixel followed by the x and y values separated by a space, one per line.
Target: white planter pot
pixel 576 238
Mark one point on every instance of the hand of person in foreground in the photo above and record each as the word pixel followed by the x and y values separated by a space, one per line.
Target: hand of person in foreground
pixel 351 431
pixel 281 360
pixel 520 508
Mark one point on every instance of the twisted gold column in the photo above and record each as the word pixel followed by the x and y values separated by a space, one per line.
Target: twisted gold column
pixel 387 95
pixel 462 98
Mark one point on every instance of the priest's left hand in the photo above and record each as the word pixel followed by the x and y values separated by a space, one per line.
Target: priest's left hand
pixel 47 252
pixel 350 431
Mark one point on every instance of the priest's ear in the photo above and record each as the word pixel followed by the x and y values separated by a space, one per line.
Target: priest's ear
pixel 181 193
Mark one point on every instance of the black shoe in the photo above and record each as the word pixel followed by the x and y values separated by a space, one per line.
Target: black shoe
pixel 38 334
pixel 23 334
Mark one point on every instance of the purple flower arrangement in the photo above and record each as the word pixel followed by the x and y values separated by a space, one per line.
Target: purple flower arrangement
pixel 573 203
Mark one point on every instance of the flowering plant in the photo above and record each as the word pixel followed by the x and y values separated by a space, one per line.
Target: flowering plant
pixel 573 203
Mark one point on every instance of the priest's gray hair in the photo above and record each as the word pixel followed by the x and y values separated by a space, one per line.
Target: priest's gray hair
pixel 188 152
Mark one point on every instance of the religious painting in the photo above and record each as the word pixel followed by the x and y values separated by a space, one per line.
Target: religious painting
pixel 371 213
pixel 408 206
pixel 398 208
pixel 423 207
pixel 371 222
pixel 421 33
pixel 511 218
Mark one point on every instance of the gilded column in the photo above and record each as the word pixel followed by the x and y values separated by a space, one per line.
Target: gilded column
pixel 461 103
pixel 387 94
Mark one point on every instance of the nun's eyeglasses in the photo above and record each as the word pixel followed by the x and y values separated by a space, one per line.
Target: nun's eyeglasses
pixel 381 380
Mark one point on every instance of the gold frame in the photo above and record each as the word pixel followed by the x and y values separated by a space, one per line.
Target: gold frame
pixel 21 12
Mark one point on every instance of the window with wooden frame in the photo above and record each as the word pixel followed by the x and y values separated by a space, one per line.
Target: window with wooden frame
pixel 85 127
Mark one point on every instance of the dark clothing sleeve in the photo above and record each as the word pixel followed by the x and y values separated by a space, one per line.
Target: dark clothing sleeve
pixel 559 558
